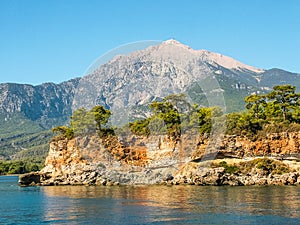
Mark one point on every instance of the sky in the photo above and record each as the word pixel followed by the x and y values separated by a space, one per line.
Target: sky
pixel 56 40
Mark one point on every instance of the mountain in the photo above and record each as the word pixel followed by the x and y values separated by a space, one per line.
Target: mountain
pixel 126 85
pixel 28 112
pixel 47 104
pixel 208 78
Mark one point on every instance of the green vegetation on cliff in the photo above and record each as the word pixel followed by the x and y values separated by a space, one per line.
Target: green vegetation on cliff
pixel 85 122
pixel 277 111
pixel 173 115
pixel 266 165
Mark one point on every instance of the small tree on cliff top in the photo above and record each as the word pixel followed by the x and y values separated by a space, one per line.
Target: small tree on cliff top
pixel 166 111
pixel 101 116
pixel 255 103
pixel 83 121
pixel 285 97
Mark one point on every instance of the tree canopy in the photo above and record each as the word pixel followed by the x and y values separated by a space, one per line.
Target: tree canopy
pixel 83 122
pixel 279 110
pixel 175 114
pixel 280 102
pixel 285 97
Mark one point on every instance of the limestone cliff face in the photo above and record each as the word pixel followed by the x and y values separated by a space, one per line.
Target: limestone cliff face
pixel 140 160
pixel 276 145
pixel 91 160
pixel 273 145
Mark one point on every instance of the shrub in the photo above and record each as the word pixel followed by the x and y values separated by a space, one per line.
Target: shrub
pixel 229 168
pixel 269 165
pixel 140 127
pixel 64 132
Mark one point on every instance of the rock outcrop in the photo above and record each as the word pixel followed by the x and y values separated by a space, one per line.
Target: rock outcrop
pixel 30 179
pixel 194 174
pixel 134 160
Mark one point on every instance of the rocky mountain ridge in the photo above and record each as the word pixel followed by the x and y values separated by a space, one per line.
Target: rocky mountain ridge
pixel 44 103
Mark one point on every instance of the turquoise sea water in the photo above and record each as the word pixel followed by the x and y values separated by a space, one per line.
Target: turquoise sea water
pixel 147 204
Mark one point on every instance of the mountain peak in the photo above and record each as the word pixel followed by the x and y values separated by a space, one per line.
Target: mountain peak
pixel 173 42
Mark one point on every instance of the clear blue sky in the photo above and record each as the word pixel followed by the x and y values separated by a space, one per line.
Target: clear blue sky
pixel 56 40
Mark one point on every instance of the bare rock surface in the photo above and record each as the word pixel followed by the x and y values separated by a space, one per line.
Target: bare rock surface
pixel 162 160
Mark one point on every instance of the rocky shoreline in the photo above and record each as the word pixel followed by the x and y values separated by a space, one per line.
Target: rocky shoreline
pixel 191 175
pixel 92 161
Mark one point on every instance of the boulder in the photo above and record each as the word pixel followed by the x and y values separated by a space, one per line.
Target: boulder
pixel 30 179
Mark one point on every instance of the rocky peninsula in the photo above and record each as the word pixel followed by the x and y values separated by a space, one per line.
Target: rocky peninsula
pixel 136 160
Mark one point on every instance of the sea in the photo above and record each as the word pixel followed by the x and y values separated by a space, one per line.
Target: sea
pixel 147 204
